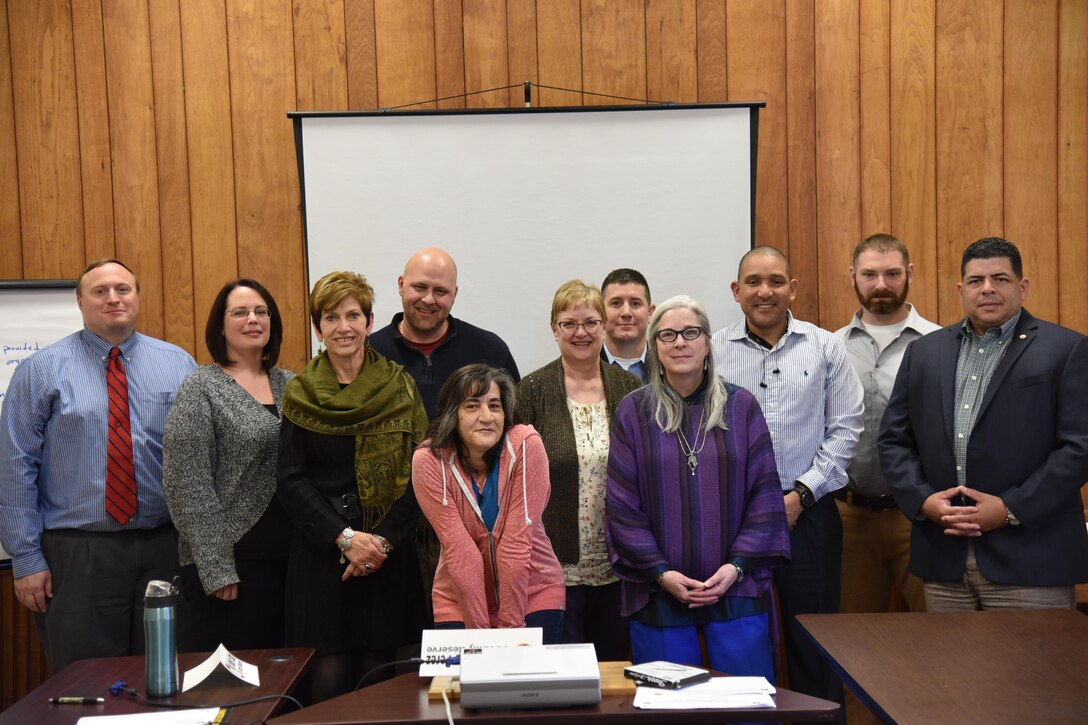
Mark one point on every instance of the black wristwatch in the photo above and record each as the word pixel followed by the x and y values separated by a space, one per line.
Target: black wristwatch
pixel 807 499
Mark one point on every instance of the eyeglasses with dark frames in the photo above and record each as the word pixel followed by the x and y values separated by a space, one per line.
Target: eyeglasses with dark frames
pixel 688 333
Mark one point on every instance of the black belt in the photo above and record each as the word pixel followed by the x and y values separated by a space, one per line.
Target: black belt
pixel 873 503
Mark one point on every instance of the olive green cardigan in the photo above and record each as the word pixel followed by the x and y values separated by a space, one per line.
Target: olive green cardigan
pixel 542 403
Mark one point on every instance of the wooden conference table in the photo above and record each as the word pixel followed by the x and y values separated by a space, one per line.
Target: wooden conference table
pixel 280 670
pixel 404 700
pixel 983 667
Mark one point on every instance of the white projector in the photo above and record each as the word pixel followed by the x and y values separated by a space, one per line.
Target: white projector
pixel 557 675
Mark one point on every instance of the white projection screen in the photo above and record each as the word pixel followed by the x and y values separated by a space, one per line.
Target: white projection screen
pixel 527 199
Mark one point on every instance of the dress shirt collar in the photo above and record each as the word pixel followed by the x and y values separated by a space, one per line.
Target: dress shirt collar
pixel 913 322
pixel 1005 329
pixel 611 359
pixel 739 331
pixel 101 348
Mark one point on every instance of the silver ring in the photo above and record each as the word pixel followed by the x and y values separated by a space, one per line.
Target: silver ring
pixel 368 565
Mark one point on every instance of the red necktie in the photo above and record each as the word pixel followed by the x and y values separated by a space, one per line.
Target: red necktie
pixel 120 471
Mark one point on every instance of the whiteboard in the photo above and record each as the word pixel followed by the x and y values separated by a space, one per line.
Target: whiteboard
pixel 32 315
pixel 526 199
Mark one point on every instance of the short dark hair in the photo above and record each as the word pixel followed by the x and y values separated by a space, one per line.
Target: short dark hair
pixel 626 275
pixel 213 331
pixel 471 381
pixel 765 251
pixel 101 262
pixel 992 248
pixel 881 243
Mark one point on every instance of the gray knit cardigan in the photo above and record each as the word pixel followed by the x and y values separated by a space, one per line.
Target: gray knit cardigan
pixel 542 403
pixel 219 467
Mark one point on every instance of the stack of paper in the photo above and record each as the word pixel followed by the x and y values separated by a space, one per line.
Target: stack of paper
pixel 735 693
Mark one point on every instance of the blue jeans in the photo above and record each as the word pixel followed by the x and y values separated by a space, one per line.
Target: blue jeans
pixel 550 620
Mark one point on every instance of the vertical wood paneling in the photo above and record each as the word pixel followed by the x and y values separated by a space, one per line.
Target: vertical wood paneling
pixel 46 138
pixel 1031 141
pixel 913 144
pixel 559 51
pixel 1073 166
pixel 755 44
pixel 171 146
pixel 266 184
pixel 132 144
pixel 22 665
pixel 874 92
pixel 672 56
pixel 485 53
pixel 406 52
pixel 613 51
pixel 711 54
pixel 969 136
pixel 801 151
pixel 211 153
pixel 837 153
pixel 320 45
pixel 94 129
pixel 362 54
pixel 11 249
pixel 521 48
pixel 449 54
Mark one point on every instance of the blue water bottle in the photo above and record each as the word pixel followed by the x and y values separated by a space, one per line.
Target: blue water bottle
pixel 160 624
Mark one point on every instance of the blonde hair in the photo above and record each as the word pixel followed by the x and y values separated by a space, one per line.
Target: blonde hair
pixel 576 293
pixel 331 290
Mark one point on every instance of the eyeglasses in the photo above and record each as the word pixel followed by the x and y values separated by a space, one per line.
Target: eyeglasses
pixel 570 327
pixel 241 313
pixel 688 333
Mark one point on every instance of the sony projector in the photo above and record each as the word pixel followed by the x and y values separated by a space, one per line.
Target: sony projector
pixel 557 675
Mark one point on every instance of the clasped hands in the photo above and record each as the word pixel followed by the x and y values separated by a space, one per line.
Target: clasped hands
pixel 986 514
pixel 365 555
pixel 696 593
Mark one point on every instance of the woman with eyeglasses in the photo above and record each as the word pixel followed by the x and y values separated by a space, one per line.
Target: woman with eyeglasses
pixel 572 402
pixel 351 421
pixel 219 475
pixel 694 511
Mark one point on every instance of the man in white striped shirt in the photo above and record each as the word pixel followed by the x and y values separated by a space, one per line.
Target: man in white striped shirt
pixel 812 400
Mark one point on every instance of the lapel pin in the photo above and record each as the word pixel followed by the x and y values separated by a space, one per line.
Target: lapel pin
pixel 1023 337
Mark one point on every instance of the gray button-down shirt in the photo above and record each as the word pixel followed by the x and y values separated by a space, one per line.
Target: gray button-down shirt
pixel 877 369
pixel 979 357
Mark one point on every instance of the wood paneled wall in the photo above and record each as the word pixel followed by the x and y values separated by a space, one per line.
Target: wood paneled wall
pixel 155 130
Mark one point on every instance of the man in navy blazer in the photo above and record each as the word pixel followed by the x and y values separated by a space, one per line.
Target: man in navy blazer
pixel 985 447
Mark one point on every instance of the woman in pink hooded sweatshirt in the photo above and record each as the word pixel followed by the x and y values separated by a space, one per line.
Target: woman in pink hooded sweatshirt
pixel 483 484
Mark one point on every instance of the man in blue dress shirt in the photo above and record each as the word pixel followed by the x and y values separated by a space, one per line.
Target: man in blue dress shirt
pixel 812 400
pixel 627 309
pixel 76 566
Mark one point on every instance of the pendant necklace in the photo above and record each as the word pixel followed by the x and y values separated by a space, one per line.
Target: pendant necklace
pixel 691 451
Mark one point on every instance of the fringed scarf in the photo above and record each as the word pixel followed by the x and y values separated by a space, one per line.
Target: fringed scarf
pixel 381 408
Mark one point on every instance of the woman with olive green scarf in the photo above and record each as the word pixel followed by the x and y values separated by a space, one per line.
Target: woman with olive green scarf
pixel 351 421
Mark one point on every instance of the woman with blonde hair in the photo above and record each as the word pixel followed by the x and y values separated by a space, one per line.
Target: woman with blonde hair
pixel 351 422
pixel 572 401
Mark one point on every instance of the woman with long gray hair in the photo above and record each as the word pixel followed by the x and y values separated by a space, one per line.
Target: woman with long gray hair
pixel 694 516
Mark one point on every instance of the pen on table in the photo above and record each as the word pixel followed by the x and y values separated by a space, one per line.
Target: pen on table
pixel 76 700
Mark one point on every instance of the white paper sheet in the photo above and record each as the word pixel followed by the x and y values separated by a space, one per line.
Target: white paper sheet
pixel 201 716
pixel 222 656
pixel 719 693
